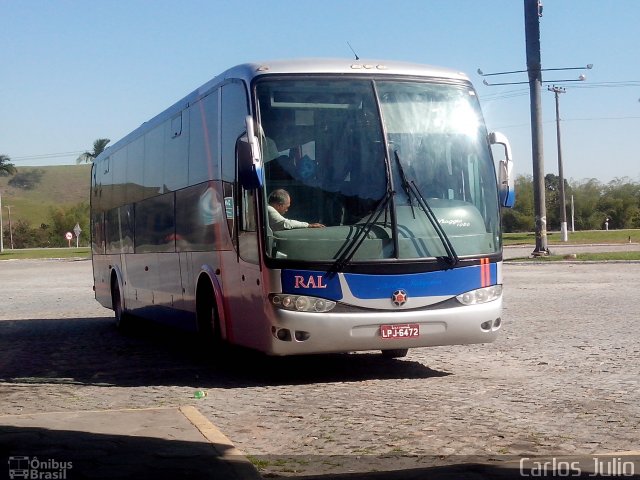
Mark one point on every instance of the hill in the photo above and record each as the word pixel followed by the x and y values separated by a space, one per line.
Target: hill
pixel 60 185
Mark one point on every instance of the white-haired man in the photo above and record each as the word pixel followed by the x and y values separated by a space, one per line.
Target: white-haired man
pixel 279 203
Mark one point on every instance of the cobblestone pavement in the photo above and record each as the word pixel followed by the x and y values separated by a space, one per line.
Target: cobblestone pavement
pixel 563 377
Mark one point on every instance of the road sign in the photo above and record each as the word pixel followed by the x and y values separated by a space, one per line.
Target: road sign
pixel 68 236
pixel 77 231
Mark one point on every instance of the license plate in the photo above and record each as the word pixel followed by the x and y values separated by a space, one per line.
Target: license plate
pixel 411 330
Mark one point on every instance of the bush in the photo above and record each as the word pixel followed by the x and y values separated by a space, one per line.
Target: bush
pixel 27 180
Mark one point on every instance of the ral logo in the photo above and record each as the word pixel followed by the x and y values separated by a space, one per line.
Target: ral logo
pixel 399 297
pixel 314 281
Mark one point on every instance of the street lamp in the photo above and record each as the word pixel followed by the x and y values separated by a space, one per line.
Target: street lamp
pixel 10 229
pixel 563 204
pixel 1 230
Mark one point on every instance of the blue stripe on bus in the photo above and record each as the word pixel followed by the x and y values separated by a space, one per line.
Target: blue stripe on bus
pixel 439 283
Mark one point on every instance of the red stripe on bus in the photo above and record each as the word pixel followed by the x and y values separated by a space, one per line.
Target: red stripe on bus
pixel 485 272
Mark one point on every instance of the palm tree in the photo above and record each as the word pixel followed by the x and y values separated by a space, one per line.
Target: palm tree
pixel 6 167
pixel 98 147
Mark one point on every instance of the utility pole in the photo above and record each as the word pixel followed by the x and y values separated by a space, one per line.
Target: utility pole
pixel 532 14
pixel 1 230
pixel 563 204
pixel 10 229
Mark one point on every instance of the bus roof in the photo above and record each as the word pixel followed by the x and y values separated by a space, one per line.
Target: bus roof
pixel 248 71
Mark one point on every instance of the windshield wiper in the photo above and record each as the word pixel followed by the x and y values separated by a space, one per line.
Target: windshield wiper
pixel 362 231
pixel 410 189
pixel 403 179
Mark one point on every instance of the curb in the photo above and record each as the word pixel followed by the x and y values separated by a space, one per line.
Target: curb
pixel 243 468
pixel 122 443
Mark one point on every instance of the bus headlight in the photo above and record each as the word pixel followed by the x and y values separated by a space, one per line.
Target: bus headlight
pixel 301 303
pixel 481 295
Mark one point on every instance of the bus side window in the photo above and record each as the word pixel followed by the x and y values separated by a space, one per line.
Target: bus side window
pixel 233 112
pixel 234 109
pixel 229 208
pixel 203 140
pixel 247 236
pixel 248 213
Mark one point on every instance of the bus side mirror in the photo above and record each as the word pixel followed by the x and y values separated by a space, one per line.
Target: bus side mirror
pixel 506 189
pixel 249 161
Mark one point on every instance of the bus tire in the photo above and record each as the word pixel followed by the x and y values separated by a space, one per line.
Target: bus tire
pixel 395 353
pixel 207 315
pixel 117 303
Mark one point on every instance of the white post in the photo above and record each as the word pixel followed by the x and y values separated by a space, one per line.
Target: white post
pixel 1 231
pixel 10 229
pixel 573 226
pixel 77 231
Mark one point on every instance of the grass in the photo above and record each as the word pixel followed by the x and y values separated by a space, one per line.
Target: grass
pixel 281 465
pixel 576 238
pixel 84 252
pixel 40 253
pixel 590 257
pixel 60 185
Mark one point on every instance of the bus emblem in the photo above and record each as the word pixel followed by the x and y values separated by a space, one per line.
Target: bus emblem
pixel 399 298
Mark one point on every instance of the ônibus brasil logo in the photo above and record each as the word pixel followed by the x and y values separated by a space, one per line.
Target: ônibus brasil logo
pixel 33 468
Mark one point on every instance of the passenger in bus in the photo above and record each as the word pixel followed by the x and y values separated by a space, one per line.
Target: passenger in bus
pixel 279 203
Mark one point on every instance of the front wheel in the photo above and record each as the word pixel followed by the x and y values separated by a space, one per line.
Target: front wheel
pixel 121 316
pixel 207 316
pixel 395 353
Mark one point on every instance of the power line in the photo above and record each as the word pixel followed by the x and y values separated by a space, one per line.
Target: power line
pixel 587 119
pixel 44 156
pixel 564 120
pixel 504 96
pixel 521 92
pixel 628 83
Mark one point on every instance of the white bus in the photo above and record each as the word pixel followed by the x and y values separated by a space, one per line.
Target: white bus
pixel 392 159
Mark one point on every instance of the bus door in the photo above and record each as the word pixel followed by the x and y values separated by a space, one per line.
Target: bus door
pixel 240 268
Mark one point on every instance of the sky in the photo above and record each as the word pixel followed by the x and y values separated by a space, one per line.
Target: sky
pixel 75 71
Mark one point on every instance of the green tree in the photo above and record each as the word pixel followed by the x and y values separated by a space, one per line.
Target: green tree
pixel 27 179
pixel 6 167
pixel 554 201
pixel 521 217
pixel 620 202
pixel 63 219
pixel 23 235
pixel 586 196
pixel 98 147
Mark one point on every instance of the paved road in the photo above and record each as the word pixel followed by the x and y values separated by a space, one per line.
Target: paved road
pixel 562 379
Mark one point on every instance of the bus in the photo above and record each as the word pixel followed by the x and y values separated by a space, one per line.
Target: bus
pixel 391 161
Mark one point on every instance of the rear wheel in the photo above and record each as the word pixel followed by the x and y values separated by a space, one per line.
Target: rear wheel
pixel 121 316
pixel 395 353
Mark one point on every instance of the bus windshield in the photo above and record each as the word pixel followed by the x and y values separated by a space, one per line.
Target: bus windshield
pixel 381 168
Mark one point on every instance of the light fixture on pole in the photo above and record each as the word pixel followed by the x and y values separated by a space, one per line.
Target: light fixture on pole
pixel 535 81
pixel 1 230
pixel 532 14
pixel 563 204
pixel 581 78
